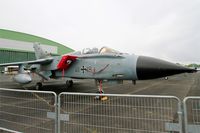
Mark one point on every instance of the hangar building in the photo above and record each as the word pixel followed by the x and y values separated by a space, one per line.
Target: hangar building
pixel 17 46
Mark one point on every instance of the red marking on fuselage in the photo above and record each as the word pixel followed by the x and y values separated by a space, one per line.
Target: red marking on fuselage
pixel 66 61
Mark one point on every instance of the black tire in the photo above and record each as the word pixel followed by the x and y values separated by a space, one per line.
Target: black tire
pixel 38 86
pixel 69 83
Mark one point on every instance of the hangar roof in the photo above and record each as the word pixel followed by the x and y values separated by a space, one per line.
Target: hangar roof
pixel 18 36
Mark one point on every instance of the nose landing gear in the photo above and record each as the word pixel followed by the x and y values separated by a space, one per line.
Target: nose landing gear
pixel 100 91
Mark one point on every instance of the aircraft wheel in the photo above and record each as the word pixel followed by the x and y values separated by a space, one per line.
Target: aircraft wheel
pixel 38 86
pixel 69 83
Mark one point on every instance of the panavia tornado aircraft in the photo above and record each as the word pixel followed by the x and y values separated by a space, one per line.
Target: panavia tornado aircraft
pixel 104 64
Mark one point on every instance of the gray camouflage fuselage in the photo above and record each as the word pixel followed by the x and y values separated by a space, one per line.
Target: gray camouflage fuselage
pixel 109 67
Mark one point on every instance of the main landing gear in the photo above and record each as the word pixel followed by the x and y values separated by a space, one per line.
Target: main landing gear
pixel 100 91
pixel 38 86
pixel 69 83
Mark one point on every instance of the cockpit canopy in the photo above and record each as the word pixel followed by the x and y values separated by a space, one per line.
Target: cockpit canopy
pixel 90 51
pixel 103 50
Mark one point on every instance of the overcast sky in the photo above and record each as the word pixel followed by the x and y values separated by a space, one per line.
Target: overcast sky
pixel 166 29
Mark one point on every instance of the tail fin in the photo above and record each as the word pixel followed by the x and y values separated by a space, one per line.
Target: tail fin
pixel 39 52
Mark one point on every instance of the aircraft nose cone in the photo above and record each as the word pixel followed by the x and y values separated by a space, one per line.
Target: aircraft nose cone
pixel 150 68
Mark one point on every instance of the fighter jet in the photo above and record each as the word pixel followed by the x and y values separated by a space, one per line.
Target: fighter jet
pixel 104 64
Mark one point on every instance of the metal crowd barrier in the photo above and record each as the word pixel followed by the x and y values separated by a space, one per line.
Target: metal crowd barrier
pixel 83 113
pixel 192 114
pixel 28 111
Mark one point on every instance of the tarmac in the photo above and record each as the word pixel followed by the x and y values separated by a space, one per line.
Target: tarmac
pixel 181 85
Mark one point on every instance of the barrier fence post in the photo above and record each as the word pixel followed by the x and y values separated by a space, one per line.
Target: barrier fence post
pixel 59 126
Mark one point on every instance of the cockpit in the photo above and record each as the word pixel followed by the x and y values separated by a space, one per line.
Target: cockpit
pixel 103 50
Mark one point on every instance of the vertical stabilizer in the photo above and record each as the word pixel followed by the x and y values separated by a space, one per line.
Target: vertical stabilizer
pixel 39 52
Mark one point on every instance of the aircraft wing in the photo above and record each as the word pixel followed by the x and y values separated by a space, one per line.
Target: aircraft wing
pixel 39 61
